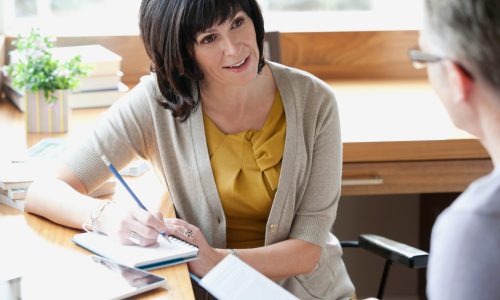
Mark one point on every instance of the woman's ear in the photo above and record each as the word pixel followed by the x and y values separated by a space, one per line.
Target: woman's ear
pixel 460 81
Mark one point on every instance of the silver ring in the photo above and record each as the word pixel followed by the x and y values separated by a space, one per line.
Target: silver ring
pixel 188 233
pixel 135 237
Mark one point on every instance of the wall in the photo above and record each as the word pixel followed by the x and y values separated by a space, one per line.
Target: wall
pixel 349 55
pixel 328 55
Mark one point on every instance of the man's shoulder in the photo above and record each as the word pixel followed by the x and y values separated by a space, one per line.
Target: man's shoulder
pixel 473 215
pixel 482 197
pixel 463 254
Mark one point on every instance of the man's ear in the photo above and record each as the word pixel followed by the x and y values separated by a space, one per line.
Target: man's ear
pixel 460 81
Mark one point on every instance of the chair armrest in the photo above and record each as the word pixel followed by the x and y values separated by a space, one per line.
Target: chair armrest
pixel 349 244
pixel 394 251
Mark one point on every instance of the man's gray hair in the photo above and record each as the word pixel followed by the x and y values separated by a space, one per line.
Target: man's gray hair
pixel 469 32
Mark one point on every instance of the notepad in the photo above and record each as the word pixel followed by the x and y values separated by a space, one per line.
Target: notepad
pixel 159 255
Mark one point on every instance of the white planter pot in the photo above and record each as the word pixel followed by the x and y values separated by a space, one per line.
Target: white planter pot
pixel 43 117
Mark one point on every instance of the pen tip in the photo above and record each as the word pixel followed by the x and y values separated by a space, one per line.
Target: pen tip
pixel 166 237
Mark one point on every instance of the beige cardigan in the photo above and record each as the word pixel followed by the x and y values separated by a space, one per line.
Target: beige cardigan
pixel 305 203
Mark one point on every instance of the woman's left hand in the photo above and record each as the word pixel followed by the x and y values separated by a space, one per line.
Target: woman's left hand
pixel 208 257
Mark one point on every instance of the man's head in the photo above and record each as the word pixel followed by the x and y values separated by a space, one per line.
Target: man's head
pixel 468 32
pixel 465 36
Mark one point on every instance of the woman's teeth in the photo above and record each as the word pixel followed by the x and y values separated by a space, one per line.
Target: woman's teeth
pixel 238 64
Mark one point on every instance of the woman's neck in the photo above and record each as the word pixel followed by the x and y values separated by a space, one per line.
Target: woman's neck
pixel 234 98
pixel 238 108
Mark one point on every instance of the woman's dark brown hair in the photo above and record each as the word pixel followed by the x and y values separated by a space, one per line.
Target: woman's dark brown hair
pixel 169 29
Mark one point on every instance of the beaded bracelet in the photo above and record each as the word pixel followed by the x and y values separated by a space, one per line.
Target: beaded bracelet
pixel 91 226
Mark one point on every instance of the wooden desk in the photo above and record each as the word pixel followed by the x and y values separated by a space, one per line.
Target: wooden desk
pixel 22 234
pixel 27 238
pixel 398 139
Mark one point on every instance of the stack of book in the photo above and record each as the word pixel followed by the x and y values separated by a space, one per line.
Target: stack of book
pixel 101 88
pixel 15 178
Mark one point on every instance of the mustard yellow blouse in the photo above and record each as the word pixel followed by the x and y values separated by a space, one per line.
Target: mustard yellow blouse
pixel 246 168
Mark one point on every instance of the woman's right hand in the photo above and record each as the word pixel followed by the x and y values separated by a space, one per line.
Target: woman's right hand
pixel 131 225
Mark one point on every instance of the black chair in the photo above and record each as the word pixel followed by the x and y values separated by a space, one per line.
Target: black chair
pixel 392 252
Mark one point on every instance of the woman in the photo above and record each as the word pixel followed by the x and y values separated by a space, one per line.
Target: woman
pixel 249 151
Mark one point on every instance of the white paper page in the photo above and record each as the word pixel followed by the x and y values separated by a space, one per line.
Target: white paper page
pixel 133 255
pixel 234 279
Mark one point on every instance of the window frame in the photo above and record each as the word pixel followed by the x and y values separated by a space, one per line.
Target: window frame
pixel 284 21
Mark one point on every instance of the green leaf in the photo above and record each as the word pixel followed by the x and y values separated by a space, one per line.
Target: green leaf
pixel 37 70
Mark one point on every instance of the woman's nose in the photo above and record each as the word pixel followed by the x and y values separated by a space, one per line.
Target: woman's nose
pixel 230 46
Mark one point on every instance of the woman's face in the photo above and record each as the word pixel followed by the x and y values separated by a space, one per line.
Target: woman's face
pixel 228 53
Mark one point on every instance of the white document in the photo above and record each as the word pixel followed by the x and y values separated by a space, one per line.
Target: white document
pixel 234 279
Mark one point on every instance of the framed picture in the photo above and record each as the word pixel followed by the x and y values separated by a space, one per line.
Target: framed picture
pixel 272 49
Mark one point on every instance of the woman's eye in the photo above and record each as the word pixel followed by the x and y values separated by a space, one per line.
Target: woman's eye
pixel 238 22
pixel 208 39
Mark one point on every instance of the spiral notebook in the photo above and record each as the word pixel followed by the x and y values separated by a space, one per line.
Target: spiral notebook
pixel 159 255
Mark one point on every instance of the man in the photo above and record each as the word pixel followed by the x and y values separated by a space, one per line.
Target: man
pixel 460 44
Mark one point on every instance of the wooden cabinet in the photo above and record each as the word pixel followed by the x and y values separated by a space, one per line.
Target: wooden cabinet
pixel 412 177
pixel 398 139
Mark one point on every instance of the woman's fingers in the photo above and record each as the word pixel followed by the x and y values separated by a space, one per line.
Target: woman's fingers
pixel 141 227
pixel 184 231
pixel 144 230
pixel 150 219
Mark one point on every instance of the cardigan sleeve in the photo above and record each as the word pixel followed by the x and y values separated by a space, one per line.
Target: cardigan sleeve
pixel 123 132
pixel 317 209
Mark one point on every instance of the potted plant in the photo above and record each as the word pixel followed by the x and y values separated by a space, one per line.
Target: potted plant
pixel 44 80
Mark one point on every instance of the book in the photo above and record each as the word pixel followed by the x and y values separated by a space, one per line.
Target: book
pixel 159 255
pixel 99 83
pixel 96 98
pixel 49 148
pixel 6 200
pixel 82 99
pixel 12 95
pixel 234 279
pixel 16 175
pixel 17 194
pixel 100 60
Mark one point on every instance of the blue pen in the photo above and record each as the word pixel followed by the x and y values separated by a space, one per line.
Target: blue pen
pixel 129 190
